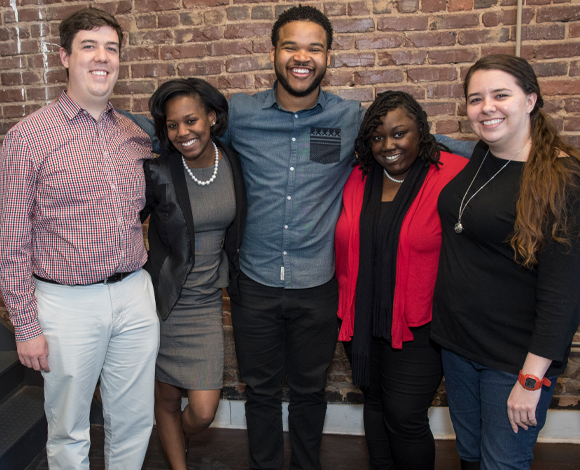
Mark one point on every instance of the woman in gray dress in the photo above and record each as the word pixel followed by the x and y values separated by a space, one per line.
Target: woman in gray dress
pixel 197 203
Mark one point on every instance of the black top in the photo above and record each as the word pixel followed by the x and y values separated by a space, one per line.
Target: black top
pixel 171 232
pixel 487 307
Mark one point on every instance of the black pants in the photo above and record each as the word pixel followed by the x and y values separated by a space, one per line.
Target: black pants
pixel 282 333
pixel 402 385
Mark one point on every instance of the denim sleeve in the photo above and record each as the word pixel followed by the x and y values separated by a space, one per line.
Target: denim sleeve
pixel 147 125
pixel 458 147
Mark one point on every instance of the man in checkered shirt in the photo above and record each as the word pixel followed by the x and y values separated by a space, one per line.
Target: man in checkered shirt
pixel 71 252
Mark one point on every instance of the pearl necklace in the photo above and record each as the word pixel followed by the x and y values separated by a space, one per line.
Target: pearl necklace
pixel 215 169
pixel 459 226
pixel 391 178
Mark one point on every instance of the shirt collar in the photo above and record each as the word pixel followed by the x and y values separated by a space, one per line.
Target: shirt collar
pixel 271 99
pixel 71 108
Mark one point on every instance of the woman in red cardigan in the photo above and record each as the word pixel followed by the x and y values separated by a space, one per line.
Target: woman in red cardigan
pixel 387 250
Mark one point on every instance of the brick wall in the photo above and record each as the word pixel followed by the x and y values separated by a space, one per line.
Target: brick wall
pixel 423 47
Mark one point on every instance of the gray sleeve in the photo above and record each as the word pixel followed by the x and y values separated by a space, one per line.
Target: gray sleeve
pixel 147 125
pixel 458 147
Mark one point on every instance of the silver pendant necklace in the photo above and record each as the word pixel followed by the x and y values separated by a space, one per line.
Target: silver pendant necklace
pixel 391 178
pixel 459 226
pixel 215 169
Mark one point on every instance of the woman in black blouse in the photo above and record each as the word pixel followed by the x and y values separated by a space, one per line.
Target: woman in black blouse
pixel 507 301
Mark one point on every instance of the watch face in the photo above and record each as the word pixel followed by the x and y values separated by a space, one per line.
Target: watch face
pixel 530 383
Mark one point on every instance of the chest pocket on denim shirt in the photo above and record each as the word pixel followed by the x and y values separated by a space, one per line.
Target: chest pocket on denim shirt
pixel 324 145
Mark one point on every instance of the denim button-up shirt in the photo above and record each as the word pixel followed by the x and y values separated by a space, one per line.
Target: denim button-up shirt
pixel 295 166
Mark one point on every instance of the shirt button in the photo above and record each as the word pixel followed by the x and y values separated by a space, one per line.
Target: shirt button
pixel 289 198
pixel 291 168
pixel 285 252
pixel 285 226
pixel 296 116
pixel 293 139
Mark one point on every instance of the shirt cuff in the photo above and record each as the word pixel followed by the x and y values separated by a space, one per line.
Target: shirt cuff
pixel 28 331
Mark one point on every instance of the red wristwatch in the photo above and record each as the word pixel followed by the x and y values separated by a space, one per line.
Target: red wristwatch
pixel 531 382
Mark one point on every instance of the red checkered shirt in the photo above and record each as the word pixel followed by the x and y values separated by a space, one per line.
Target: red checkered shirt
pixel 71 189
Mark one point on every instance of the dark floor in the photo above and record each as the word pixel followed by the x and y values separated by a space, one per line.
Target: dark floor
pixel 226 449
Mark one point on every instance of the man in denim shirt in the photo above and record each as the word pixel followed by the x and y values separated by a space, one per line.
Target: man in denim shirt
pixel 296 145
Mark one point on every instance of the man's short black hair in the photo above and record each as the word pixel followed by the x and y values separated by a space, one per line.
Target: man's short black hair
pixel 302 13
pixel 86 19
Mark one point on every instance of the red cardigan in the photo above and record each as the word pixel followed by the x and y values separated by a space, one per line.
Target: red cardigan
pixel 417 253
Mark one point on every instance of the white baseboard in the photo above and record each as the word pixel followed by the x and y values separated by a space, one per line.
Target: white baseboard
pixel 561 426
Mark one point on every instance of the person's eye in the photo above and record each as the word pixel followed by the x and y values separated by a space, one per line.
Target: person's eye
pixel 501 96
pixel 474 100
pixel 113 50
pixel 400 134
pixel 377 138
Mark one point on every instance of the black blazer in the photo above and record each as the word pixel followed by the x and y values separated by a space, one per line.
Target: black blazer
pixel 171 230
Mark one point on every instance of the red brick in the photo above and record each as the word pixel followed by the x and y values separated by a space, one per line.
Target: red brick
pixel 362 25
pixel 263 45
pixel 538 2
pixel 14 33
pixel 416 92
pixel 453 56
pixel 56 76
pixel 146 21
pixel 39 30
pixel 460 5
pixel 214 17
pixel 558 51
pixel 222 82
pixel 553 106
pixel 572 123
pixel 574 30
pixel 245 64
pixel 247 30
pixel 371 77
pixel 57 13
pixel 18 78
pixel 208 67
pixel 573 140
pixel 485 36
pixel 363 59
pixel 163 69
pixel 14 111
pixel 561 87
pixel 334 9
pixel 7 63
pixel 550 69
pixel 204 3
pixel 169 20
pixel 574 68
pixel 44 93
pixel 543 31
pixel 265 80
pixel 156 37
pixel 134 87
pixel 211 33
pixel 430 6
pixel 409 57
pixel 462 108
pixel 230 48
pixel 156 5
pixel 506 17
pixel 336 77
pixel 456 21
pixel 183 51
pixel 446 127
pixel 237 13
pixel 480 4
pixel 432 39
pixel 465 127
pixel 408 6
pixel 140 53
pixel 447 90
pixel 384 41
pixel 29 14
pixel 251 1
pixel 343 43
pixel 124 71
pixel 19 47
pixel 6 126
pixel 190 18
pixel 358 9
pixel 508 49
pixel 262 12
pixel 559 13
pixel 438 109
pixel 358 94
pixel 407 23
pixel 41 61
pixel 432 74
pixel 382 7
pixel 572 105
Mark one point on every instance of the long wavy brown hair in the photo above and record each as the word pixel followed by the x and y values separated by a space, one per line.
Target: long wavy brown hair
pixel 546 178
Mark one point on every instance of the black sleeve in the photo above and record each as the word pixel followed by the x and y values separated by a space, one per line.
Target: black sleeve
pixel 558 292
pixel 150 202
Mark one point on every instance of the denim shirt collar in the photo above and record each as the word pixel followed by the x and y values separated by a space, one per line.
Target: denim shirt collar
pixel 271 99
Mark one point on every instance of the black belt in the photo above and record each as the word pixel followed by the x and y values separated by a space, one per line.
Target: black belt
pixel 109 280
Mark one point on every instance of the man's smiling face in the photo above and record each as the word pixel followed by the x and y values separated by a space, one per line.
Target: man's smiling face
pixel 300 58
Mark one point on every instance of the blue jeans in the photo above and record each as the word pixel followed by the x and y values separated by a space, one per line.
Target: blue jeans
pixel 477 398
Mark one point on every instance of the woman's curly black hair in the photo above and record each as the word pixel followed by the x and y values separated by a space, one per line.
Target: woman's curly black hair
pixel 429 148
